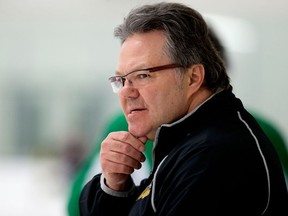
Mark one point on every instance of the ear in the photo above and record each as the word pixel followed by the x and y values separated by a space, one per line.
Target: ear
pixel 196 74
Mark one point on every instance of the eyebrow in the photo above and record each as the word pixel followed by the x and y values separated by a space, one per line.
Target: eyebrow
pixel 140 68
pixel 152 69
pixel 117 73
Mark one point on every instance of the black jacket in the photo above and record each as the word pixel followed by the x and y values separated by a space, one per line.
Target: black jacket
pixel 214 161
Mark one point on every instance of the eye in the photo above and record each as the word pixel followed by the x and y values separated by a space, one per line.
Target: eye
pixel 143 76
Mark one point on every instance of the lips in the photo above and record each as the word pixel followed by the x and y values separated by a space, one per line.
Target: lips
pixel 136 110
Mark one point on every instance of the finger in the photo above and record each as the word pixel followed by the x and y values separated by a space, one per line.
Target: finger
pixel 122 159
pixel 111 167
pixel 110 145
pixel 143 139
pixel 129 139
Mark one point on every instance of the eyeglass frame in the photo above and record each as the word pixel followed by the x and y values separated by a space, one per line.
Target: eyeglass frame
pixel 150 70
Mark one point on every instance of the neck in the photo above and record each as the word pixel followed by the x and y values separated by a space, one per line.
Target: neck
pixel 199 97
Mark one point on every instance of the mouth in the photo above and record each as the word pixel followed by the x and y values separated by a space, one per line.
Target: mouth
pixel 136 110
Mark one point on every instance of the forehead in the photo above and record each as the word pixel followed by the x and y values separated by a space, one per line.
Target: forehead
pixel 142 50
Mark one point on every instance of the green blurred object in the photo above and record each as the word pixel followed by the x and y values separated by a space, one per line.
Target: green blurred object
pixel 117 123
pixel 277 139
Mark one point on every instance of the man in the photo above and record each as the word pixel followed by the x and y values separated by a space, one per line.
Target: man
pixel 118 122
pixel 210 155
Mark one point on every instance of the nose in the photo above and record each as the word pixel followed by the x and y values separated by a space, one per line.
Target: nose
pixel 128 91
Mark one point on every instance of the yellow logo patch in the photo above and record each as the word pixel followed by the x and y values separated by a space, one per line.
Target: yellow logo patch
pixel 145 193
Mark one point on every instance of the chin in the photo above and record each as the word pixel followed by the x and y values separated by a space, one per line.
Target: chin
pixel 136 132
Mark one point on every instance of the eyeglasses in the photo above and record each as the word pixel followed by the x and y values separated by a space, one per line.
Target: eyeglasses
pixel 138 77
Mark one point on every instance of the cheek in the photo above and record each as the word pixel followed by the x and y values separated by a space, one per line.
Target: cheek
pixel 165 99
pixel 167 103
pixel 177 100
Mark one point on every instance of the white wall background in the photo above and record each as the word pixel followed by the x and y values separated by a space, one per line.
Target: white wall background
pixel 56 56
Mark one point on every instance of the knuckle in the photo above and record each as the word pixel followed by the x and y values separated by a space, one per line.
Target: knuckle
pixel 124 136
pixel 104 144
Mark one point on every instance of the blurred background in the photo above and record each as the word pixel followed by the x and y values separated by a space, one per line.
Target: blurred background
pixel 55 58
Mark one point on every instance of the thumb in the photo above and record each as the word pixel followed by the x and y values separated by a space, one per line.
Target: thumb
pixel 142 139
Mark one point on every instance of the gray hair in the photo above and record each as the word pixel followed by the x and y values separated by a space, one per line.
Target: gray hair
pixel 187 38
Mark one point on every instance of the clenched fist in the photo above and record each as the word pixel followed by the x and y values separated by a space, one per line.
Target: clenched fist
pixel 121 153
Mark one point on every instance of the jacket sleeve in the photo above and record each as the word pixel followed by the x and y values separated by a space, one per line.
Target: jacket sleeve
pixel 95 201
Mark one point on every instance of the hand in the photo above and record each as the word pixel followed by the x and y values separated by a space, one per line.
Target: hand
pixel 121 153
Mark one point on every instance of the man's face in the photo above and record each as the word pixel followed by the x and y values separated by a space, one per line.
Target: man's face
pixel 163 99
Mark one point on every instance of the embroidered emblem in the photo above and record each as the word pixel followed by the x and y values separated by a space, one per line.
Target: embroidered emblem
pixel 146 192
